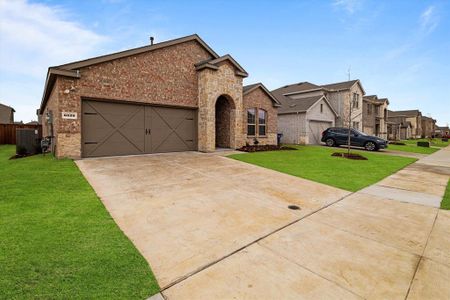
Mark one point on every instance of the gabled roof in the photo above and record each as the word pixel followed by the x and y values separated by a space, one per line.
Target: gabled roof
pixel 134 51
pixel 8 107
pixel 297 88
pixel 251 87
pixel 382 100
pixel 289 105
pixel 71 69
pixel 404 113
pixel 375 100
pixel 213 64
pixel 342 86
pixel 370 98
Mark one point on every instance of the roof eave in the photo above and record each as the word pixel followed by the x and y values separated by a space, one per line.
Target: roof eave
pixel 52 73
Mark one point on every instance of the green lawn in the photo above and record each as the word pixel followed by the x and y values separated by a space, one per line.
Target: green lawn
pixel 412 148
pixel 317 164
pixel 57 241
pixel 434 142
pixel 445 204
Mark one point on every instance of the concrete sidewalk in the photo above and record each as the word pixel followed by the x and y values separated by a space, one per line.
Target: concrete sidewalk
pixel 423 182
pixel 366 246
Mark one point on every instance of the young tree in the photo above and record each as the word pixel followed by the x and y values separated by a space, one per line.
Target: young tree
pixel 350 110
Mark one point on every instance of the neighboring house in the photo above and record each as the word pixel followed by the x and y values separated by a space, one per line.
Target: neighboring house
pixel 375 116
pixel 341 95
pixel 412 116
pixel 302 120
pixel 176 95
pixel 441 131
pixel 32 123
pixel 398 129
pixel 393 131
pixel 428 127
pixel 6 114
pixel 260 119
pixel 336 99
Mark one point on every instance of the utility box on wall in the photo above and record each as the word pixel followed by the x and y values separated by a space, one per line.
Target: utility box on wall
pixel 28 141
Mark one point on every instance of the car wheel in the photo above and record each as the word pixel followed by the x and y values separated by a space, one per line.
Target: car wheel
pixel 330 142
pixel 370 146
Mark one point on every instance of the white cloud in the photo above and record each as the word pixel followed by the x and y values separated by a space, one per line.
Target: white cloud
pixel 428 20
pixel 351 6
pixel 33 37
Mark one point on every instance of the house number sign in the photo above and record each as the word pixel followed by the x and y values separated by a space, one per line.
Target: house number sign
pixel 69 115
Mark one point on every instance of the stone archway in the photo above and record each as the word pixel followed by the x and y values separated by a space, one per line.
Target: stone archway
pixel 224 120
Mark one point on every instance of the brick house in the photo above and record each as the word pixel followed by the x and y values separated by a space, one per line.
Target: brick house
pixel 334 101
pixel 428 127
pixel 414 117
pixel 374 116
pixel 6 114
pixel 177 95
pixel 398 129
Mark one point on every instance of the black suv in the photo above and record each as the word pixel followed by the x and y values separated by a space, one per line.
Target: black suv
pixel 336 136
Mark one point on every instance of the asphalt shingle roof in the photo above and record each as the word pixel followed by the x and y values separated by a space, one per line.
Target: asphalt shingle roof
pixel 340 85
pixel 406 113
pixel 289 105
pixel 296 87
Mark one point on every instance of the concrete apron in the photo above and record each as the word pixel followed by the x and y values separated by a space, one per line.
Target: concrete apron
pixel 364 246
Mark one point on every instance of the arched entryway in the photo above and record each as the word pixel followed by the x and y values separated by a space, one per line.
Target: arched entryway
pixel 224 121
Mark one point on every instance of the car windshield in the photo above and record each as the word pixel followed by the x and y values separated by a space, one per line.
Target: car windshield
pixel 359 132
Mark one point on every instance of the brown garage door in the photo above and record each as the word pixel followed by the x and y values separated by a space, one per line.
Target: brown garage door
pixel 122 129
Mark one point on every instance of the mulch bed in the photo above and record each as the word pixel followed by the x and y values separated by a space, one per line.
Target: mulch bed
pixel 349 156
pixel 258 148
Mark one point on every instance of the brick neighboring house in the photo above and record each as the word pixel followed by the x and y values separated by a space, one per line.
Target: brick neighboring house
pixel 260 115
pixel 176 95
pixel 428 127
pixel 335 103
pixel 442 131
pixel 398 128
pixel 414 117
pixel 375 116
pixel 6 114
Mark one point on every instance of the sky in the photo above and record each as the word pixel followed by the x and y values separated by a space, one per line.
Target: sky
pixel 398 49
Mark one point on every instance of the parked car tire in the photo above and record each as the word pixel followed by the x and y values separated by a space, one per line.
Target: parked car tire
pixel 370 146
pixel 330 142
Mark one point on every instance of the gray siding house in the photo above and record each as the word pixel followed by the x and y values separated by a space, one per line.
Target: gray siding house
pixel 303 117
pixel 335 100
pixel 6 114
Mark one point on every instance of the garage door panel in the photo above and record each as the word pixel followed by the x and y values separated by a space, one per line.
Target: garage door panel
pixel 172 129
pixel 112 129
pixel 115 113
pixel 116 144
pixel 171 143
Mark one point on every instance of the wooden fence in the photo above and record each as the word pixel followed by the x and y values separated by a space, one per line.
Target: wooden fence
pixel 8 132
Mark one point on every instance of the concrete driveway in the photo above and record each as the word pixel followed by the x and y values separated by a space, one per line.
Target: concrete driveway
pixel 215 228
pixel 185 211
